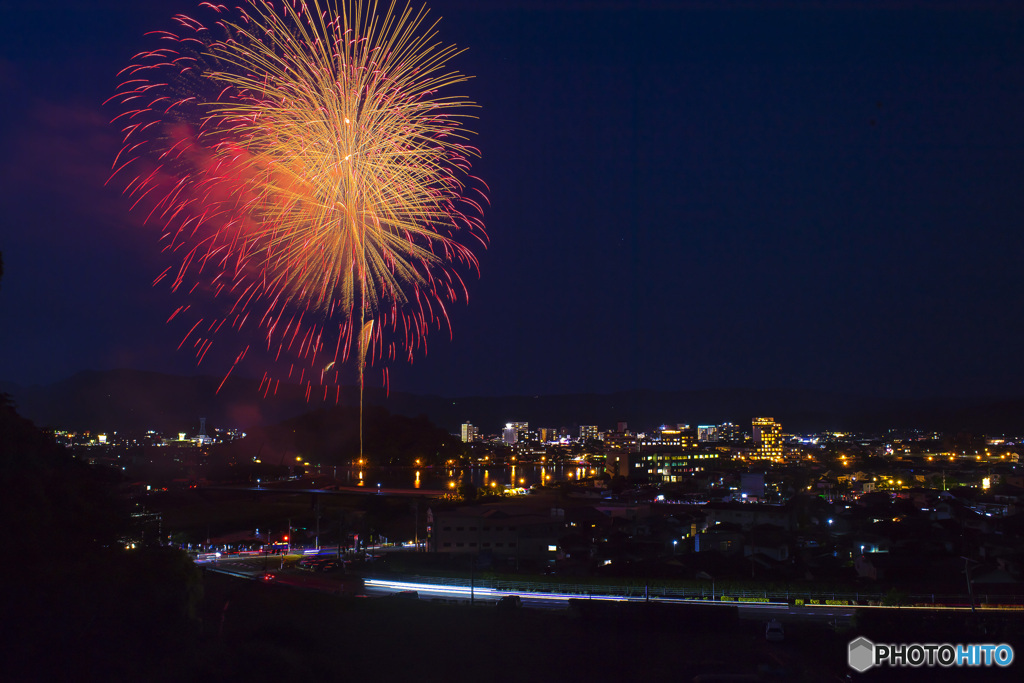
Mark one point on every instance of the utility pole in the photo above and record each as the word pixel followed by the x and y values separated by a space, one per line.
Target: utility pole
pixel 416 523
pixel 967 571
pixel 266 551
pixel 316 507
pixel 341 532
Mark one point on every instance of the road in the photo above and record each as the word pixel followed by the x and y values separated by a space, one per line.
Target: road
pixel 256 566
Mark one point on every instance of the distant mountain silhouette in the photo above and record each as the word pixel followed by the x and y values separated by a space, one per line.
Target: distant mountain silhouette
pixel 126 400
pixel 330 436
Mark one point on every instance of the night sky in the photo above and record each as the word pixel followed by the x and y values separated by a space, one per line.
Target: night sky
pixel 683 195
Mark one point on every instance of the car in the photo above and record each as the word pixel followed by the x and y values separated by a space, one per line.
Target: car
pixel 269 577
pixel 509 603
pixel 320 563
pixel 774 632
pixel 313 561
pixel 329 565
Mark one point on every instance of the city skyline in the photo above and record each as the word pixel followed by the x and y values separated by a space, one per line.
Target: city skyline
pixel 683 196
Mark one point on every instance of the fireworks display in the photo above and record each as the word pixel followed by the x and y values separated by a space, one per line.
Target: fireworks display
pixel 311 174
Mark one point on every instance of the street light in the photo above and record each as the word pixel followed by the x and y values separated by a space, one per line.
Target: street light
pixel 378 488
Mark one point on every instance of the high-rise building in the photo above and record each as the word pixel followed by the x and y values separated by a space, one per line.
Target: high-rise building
pixel 707 433
pixel 767 439
pixel 728 431
pixel 588 432
pixel 515 431
pixel 469 433
pixel 509 436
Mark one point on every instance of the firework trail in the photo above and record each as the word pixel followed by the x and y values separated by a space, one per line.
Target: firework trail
pixel 311 174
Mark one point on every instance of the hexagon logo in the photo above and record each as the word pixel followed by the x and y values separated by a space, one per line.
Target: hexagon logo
pixel 862 654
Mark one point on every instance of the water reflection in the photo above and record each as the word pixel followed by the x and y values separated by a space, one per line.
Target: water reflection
pixel 491 476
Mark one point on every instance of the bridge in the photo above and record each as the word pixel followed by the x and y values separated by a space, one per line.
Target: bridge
pixel 330 490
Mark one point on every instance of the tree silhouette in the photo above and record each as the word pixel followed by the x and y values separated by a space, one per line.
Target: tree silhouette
pixel 79 589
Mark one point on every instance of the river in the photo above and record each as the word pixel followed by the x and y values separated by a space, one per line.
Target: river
pixel 440 478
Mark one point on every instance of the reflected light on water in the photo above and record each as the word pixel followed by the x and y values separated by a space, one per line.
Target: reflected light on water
pixel 518 475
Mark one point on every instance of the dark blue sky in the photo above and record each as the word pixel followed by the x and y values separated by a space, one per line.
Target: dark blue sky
pixel 683 195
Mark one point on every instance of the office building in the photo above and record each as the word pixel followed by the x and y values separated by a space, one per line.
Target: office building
pixel 767 439
pixel 515 432
pixel 707 433
pixel 728 431
pixel 675 466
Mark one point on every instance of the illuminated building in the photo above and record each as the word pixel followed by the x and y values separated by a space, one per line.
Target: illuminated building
pixel 514 432
pixel 706 433
pixel 685 439
pixel 469 433
pixel 767 439
pixel 675 466
pixel 588 432
pixel 728 431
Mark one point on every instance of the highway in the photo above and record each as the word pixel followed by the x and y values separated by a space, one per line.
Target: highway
pixel 255 566
pixel 258 566
pixel 747 610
